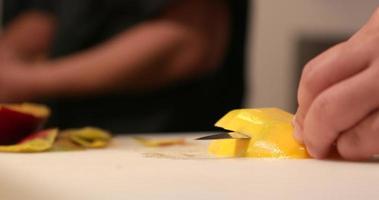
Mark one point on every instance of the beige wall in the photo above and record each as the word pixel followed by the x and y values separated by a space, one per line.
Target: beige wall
pixel 277 25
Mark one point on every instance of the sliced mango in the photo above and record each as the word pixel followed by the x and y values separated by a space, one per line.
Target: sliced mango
pixel 63 142
pixel 229 147
pixel 270 130
pixel 89 137
pixel 160 142
pixel 37 142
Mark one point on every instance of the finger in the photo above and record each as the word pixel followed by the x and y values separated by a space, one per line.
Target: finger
pixel 339 108
pixel 372 25
pixel 331 67
pixel 297 134
pixel 336 64
pixel 362 141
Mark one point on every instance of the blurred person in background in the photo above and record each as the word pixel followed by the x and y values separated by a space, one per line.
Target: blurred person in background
pixel 176 65
pixel 125 65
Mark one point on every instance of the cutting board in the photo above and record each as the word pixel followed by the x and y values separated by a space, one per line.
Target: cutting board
pixel 127 170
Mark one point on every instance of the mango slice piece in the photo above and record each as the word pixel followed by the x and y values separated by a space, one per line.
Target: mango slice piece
pixel 229 147
pixel 160 142
pixel 63 142
pixel 37 142
pixel 89 137
pixel 270 130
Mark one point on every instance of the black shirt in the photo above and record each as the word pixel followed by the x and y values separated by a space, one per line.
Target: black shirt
pixel 186 106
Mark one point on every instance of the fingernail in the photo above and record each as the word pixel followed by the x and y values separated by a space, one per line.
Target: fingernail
pixel 297 110
pixel 297 134
pixel 311 152
pixel 314 152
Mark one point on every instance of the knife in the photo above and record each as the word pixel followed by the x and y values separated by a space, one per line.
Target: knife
pixel 231 135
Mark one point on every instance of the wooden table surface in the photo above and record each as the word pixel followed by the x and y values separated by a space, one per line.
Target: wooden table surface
pixel 127 170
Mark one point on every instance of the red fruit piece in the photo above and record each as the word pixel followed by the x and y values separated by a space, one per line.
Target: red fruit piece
pixel 17 121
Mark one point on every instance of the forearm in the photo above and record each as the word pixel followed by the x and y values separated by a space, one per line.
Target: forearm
pixel 145 57
pixel 179 45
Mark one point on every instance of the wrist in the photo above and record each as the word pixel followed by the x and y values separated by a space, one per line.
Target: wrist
pixel 41 81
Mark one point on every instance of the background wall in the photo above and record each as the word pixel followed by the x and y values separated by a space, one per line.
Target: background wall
pixel 277 31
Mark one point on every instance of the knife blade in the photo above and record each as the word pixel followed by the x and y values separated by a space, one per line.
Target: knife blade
pixel 231 135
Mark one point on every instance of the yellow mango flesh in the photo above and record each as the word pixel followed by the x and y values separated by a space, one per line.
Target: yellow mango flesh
pixel 41 141
pixel 270 130
pixel 89 137
pixel 229 147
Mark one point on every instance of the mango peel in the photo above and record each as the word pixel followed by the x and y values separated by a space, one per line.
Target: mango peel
pixel 20 131
pixel 37 142
pixel 17 121
pixel 270 132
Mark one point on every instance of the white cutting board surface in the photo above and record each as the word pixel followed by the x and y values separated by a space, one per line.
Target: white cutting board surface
pixel 127 170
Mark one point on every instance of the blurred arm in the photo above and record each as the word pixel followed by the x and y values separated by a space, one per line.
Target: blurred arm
pixel 188 40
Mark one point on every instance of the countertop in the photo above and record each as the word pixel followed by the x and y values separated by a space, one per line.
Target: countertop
pixel 127 170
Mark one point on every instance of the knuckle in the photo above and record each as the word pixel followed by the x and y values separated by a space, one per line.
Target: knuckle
pixel 323 118
pixel 348 145
pixel 370 127
pixel 375 72
pixel 313 71
pixel 374 39
pixel 354 139
pixel 328 116
pixel 321 108
pixel 366 44
pixel 374 16
pixel 373 81
pixel 370 44
pixel 360 142
pixel 308 69
pixel 309 77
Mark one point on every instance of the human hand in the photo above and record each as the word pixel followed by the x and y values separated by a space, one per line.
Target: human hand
pixel 339 98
